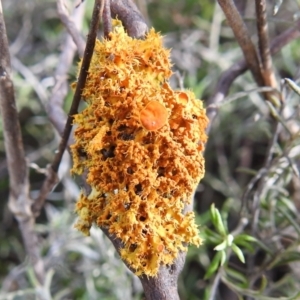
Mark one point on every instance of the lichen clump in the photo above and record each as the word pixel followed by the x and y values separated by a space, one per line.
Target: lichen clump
pixel 140 143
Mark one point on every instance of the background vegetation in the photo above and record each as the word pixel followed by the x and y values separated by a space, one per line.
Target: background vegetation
pixel 252 162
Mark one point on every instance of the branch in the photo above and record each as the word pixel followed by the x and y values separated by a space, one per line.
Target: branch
pixel 106 18
pixel 242 36
pixel 132 19
pixel 88 52
pixel 19 200
pixel 263 44
pixel 227 78
pixel 164 285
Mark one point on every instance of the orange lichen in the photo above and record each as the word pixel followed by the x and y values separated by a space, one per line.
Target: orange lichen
pixel 141 145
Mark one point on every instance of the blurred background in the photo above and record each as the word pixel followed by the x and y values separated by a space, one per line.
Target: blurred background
pixel 242 144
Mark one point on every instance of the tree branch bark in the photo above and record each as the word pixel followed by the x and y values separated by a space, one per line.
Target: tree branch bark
pixel 130 16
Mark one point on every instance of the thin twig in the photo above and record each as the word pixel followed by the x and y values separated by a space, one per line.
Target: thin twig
pixel 242 36
pixel 70 26
pixel 19 200
pixel 88 52
pixel 263 43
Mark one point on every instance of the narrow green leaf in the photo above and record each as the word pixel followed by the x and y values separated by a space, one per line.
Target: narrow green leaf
pixel 212 236
pixel 244 237
pixel 239 277
pixel 238 252
pixel 213 266
pixel 223 258
pixel 213 213
pixel 244 244
pixel 221 246
pixel 219 223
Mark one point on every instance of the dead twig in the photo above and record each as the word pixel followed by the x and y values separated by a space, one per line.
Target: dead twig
pixel 19 200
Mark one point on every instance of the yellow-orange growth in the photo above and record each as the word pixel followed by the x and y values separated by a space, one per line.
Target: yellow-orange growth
pixel 141 144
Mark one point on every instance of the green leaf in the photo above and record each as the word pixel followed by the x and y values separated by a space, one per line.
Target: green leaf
pixel 223 258
pixel 213 213
pixel 212 236
pixel 244 244
pixel 238 252
pixel 217 220
pixel 221 246
pixel 245 237
pixel 239 277
pixel 244 240
pixel 213 266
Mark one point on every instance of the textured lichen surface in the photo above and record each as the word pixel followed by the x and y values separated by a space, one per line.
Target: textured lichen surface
pixel 141 144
